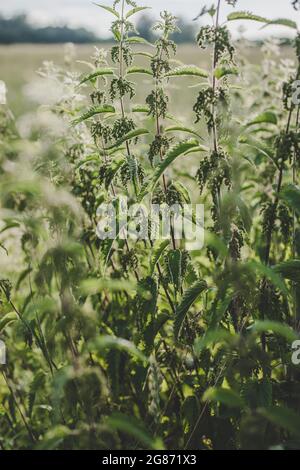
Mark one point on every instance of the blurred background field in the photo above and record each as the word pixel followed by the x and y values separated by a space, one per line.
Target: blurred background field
pixel 20 62
pixel 28 37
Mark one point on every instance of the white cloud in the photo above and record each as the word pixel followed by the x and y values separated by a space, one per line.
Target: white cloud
pixel 84 13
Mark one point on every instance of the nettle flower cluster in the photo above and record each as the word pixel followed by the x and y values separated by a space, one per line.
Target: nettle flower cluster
pixel 213 105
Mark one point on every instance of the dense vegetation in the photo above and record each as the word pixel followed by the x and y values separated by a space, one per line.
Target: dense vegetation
pixel 122 344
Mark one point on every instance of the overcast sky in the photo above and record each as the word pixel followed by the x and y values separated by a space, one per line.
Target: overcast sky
pixel 84 13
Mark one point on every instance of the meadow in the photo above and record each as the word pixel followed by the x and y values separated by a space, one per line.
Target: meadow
pixel 116 342
pixel 19 64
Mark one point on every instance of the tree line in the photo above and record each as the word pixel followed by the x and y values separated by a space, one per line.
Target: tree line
pixel 17 29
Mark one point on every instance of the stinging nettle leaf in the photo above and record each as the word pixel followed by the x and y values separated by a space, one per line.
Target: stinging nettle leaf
pixel 174 263
pixel 282 22
pixel 289 270
pixel 189 297
pixel 280 329
pixel 284 418
pixel 97 73
pixel 130 426
pixel 141 109
pixel 7 320
pixel 175 152
pixel 212 338
pixel 268 117
pixel 109 9
pixel 187 71
pixel 138 40
pixel 138 70
pixel 93 112
pixel 221 72
pixel 93 285
pixel 291 194
pixel 143 54
pixel 266 272
pixel 183 129
pixel 246 15
pixel 225 396
pixel 112 342
pixel 131 135
pixel 157 252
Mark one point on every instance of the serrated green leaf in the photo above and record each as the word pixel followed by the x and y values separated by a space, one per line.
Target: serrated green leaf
pixel 282 22
pixel 141 109
pixel 289 270
pixel 224 396
pixel 143 54
pixel 188 298
pixel 257 393
pixel 109 9
pixel 130 136
pixel 55 437
pixel 258 146
pixel 291 194
pixel 138 70
pixel 212 338
pixel 115 167
pixel 267 117
pixel 246 15
pixel 37 383
pixel 175 152
pixel 130 426
pixel 221 72
pixel 198 149
pixel 112 342
pixel 174 263
pixel 93 286
pixel 280 329
pixel 244 213
pixel 138 40
pixel 106 109
pixel 94 157
pixel 7 319
pixel 283 417
pixel 187 71
pixel 157 252
pixel 154 327
pixel 183 129
pixel 266 272
pixel 97 73
pixel 183 191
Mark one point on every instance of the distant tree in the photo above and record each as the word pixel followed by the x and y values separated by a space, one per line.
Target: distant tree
pixel 18 30
pixel 188 31
pixel 144 27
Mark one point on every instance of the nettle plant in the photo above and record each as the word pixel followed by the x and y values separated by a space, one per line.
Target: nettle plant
pixel 114 343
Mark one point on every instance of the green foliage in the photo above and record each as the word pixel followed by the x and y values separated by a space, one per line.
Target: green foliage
pixel 188 298
pixel 246 15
